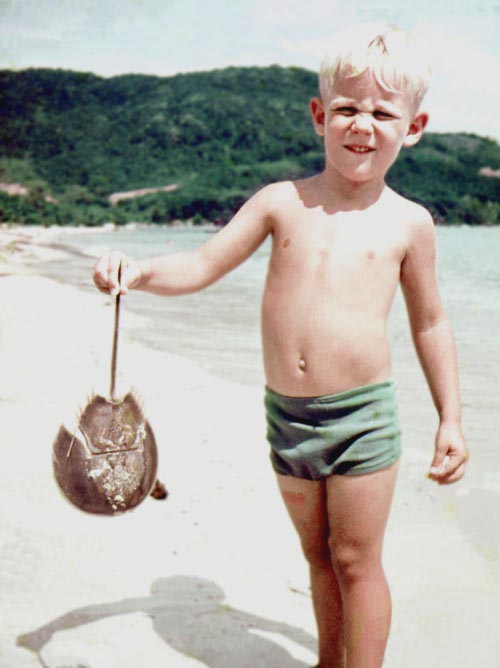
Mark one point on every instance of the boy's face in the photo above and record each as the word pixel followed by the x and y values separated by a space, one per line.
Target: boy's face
pixel 364 127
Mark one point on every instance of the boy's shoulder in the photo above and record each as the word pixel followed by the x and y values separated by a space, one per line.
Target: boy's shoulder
pixel 414 215
pixel 416 223
pixel 298 192
pixel 278 192
pixel 276 198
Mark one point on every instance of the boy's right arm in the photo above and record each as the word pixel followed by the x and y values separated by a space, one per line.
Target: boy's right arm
pixel 182 273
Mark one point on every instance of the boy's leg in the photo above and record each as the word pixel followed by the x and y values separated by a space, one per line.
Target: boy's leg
pixel 306 504
pixel 358 509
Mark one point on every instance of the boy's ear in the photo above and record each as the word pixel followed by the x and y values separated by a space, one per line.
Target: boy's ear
pixel 416 129
pixel 318 115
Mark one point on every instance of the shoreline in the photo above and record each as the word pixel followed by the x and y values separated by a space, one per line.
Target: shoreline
pixel 222 528
pixel 32 231
pixel 23 245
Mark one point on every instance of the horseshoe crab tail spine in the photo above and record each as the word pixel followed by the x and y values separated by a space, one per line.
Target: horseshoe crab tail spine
pixel 114 354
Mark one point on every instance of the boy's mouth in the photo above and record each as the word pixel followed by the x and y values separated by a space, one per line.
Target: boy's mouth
pixel 358 148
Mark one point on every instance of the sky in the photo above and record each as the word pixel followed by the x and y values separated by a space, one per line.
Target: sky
pixel 165 37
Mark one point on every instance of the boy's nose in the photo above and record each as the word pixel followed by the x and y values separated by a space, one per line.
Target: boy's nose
pixel 361 124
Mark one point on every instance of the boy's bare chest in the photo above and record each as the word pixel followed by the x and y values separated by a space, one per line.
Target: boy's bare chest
pixel 327 244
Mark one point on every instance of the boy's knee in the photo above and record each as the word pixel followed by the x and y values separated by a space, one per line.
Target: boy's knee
pixel 351 562
pixel 317 554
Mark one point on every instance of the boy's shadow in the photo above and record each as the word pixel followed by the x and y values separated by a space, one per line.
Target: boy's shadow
pixel 190 615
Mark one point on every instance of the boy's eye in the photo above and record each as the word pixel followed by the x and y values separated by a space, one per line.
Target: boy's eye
pixel 346 111
pixel 379 114
pixel 382 115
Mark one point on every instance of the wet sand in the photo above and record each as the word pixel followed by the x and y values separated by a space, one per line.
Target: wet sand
pixel 213 575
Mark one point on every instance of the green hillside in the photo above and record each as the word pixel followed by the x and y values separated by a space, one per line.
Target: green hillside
pixel 74 139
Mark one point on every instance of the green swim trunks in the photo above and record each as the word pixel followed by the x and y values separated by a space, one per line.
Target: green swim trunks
pixel 350 433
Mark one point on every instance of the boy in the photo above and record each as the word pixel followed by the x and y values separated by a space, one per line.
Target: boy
pixel 342 240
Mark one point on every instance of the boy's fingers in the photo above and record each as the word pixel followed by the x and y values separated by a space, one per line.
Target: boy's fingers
pixel 439 466
pixel 130 277
pixel 453 476
pixel 106 273
pixel 440 457
pixel 451 469
pixel 101 270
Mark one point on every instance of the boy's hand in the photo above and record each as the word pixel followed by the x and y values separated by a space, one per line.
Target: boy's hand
pixel 106 273
pixel 451 455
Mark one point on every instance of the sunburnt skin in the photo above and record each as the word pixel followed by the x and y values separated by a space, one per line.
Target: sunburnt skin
pixel 327 299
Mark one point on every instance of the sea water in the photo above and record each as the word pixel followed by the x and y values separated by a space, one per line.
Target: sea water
pixel 219 328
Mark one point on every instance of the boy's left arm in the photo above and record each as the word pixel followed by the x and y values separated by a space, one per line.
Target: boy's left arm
pixel 435 346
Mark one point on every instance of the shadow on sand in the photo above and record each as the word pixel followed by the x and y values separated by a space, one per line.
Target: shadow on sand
pixel 190 615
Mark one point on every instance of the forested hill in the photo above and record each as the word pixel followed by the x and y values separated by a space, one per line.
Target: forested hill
pixel 73 139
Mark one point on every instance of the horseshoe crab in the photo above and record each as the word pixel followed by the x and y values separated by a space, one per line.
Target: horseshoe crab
pixel 109 464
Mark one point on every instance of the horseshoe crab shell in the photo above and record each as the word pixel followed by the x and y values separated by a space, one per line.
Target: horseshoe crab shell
pixel 112 467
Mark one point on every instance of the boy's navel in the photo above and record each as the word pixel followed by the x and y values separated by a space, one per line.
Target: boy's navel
pixel 286 243
pixel 302 364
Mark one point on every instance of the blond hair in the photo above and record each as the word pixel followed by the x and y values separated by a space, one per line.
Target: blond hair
pixel 393 57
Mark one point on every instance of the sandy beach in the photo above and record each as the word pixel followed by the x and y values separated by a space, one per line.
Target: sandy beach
pixel 213 576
